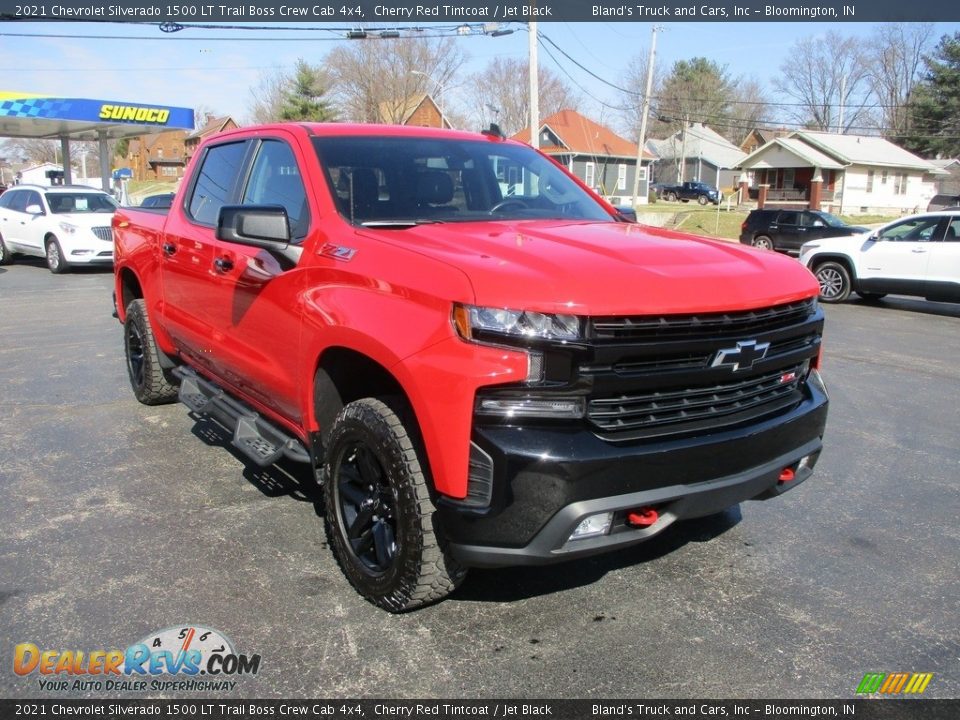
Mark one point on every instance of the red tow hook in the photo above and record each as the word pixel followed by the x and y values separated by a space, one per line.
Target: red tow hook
pixel 643 517
pixel 786 475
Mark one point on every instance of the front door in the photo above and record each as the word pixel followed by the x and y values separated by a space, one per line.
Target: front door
pixel 943 274
pixel 896 259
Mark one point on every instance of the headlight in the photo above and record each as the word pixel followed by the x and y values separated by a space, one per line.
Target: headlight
pixel 472 321
pixel 68 228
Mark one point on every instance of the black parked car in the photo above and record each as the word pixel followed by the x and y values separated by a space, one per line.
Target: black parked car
pixel 787 230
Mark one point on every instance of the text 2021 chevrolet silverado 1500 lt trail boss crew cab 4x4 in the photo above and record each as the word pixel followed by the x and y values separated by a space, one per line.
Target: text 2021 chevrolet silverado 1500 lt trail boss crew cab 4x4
pixel 484 364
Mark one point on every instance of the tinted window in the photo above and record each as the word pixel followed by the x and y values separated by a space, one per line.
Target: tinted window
pixel 275 180
pixel 789 218
pixel 216 178
pixel 6 198
pixel 33 198
pixel 912 230
pixel 953 230
pixel 19 200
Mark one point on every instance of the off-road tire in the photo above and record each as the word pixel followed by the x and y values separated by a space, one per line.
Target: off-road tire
pixel 152 385
pixel 55 260
pixel 376 491
pixel 6 257
pixel 834 279
pixel 763 242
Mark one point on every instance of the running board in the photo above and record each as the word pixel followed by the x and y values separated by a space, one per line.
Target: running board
pixel 257 438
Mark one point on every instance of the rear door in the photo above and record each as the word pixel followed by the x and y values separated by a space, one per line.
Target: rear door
pixel 895 260
pixel 943 273
pixel 12 209
pixel 33 225
pixel 190 279
pixel 790 234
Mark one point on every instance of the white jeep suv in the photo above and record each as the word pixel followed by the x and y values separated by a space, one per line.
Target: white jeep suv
pixel 69 225
pixel 916 255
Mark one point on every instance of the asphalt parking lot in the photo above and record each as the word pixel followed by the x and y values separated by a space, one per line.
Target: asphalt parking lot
pixel 119 520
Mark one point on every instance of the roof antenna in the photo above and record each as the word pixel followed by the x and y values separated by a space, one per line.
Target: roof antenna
pixel 494 131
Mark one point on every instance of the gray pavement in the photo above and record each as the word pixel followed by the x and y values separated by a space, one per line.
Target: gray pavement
pixel 117 520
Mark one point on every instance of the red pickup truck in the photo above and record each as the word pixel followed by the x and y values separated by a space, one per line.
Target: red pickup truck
pixel 482 361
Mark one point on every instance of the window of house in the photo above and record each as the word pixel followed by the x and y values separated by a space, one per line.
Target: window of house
pixel 588 174
pixel 883 177
pixel 621 177
pixel 869 181
pixel 788 177
pixel 643 173
pixel 900 184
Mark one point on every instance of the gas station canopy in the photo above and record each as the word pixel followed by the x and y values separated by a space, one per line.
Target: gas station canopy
pixel 43 117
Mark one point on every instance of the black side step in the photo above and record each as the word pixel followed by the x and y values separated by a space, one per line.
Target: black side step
pixel 255 437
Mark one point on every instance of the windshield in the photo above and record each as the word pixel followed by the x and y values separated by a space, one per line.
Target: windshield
pixel 80 202
pixel 401 181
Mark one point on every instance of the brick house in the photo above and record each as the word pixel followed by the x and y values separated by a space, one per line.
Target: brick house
pixel 211 126
pixel 417 110
pixel 159 157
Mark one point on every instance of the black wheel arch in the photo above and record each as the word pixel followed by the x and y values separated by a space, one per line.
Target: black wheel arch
pixel 844 260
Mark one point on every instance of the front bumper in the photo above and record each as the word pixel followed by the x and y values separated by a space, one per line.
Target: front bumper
pixel 547 480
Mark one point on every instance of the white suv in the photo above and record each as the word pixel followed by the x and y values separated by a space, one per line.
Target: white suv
pixel 69 225
pixel 916 255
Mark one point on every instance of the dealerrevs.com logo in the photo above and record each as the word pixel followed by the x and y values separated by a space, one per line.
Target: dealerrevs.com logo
pixel 184 658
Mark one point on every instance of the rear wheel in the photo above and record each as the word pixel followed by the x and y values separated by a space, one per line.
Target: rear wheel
pixel 834 281
pixel 55 259
pixel 5 256
pixel 763 242
pixel 151 384
pixel 672 197
pixel 379 513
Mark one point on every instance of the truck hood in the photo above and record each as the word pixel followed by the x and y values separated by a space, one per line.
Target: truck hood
pixel 588 268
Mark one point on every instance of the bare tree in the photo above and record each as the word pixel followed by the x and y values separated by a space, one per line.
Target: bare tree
pixel 635 78
pixel 33 151
pixel 751 108
pixel 374 80
pixel 824 76
pixel 499 93
pixel 267 97
pixel 896 63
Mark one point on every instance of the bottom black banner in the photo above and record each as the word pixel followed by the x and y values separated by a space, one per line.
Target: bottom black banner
pixel 873 709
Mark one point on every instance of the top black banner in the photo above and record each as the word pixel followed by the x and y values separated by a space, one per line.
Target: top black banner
pixel 397 13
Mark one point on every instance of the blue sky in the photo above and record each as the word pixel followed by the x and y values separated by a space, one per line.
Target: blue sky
pixel 218 74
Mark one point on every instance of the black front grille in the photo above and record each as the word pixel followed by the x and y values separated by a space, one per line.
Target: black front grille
pixel 660 412
pixel 103 233
pixel 745 323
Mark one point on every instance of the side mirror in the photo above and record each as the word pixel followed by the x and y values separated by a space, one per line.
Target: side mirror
pixel 626 214
pixel 261 226
pixel 34 209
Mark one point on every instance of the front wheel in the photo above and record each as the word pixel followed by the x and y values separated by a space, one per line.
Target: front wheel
pixel 834 281
pixel 380 517
pixel 55 259
pixel 702 200
pixel 150 382
pixel 672 197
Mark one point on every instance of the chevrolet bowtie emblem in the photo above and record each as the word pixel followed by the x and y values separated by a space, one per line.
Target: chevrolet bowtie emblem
pixel 742 357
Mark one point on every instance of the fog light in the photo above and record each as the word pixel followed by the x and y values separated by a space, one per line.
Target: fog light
pixel 82 252
pixel 593 526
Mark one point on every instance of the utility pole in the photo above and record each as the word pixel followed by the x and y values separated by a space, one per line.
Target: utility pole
pixel 683 149
pixel 843 91
pixel 643 115
pixel 534 88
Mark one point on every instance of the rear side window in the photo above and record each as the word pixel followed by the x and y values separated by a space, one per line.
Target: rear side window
pixel 275 180
pixel 216 178
pixel 7 198
pixel 789 218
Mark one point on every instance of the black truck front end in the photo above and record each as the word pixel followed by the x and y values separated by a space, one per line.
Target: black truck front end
pixel 646 421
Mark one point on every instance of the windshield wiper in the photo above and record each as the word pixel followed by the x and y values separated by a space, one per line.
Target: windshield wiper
pixel 399 223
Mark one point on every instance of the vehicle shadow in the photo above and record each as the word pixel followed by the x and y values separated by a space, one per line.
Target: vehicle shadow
pixel 520 583
pixel 912 305
pixel 283 478
pixel 294 480
pixel 41 264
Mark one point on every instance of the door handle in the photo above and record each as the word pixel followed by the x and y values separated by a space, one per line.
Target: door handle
pixel 918 250
pixel 169 248
pixel 223 264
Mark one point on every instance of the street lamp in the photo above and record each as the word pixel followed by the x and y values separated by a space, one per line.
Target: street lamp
pixel 439 92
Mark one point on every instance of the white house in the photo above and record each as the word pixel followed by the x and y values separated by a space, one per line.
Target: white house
pixel 697 153
pixel 37 174
pixel 857 173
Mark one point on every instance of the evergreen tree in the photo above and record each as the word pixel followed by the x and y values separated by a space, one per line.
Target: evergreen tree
pixel 303 95
pixel 935 105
